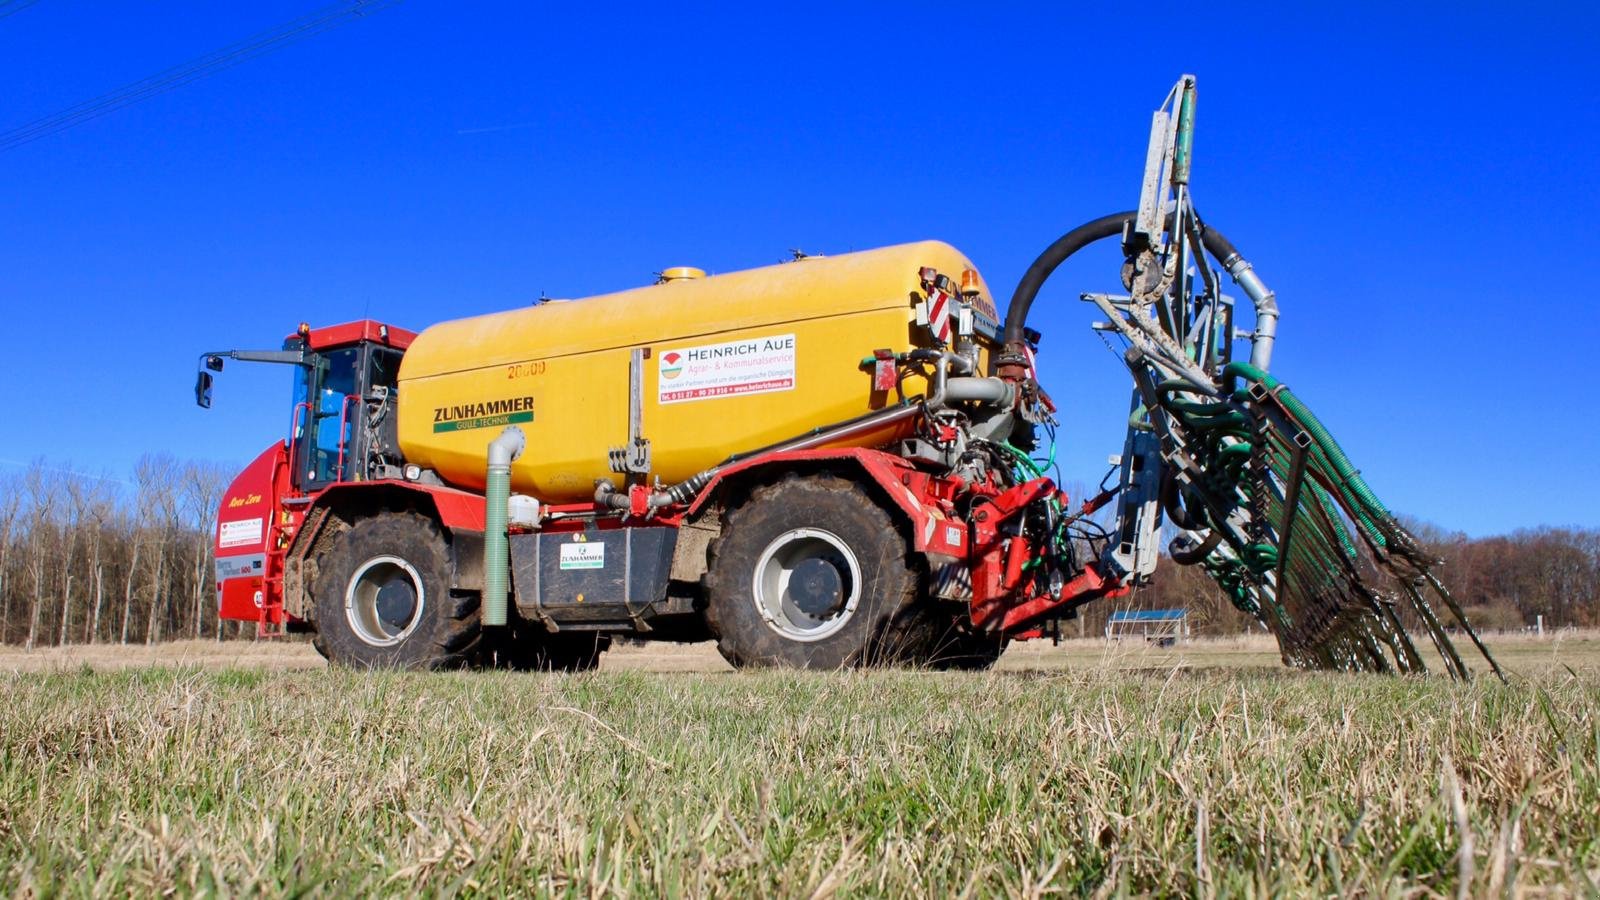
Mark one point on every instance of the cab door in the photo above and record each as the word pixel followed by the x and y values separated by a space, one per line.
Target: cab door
pixel 327 410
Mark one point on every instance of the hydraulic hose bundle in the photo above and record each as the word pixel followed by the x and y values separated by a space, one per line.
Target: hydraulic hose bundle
pixel 1269 504
pixel 1310 566
pixel 1266 500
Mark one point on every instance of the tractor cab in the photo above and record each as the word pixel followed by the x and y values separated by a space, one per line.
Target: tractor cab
pixel 342 423
pixel 341 428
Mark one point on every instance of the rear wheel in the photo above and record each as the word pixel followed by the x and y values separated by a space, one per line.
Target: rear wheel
pixel 811 573
pixel 383 598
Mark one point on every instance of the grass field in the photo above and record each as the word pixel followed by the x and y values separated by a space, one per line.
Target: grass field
pixel 1078 769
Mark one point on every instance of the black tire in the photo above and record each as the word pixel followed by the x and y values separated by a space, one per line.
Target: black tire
pixel 361 591
pixel 824 522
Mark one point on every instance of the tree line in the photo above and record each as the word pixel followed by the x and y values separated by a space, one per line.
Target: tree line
pixel 1547 576
pixel 99 559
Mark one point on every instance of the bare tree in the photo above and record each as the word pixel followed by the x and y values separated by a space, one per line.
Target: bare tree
pixel 76 488
pixel 202 487
pixel 10 506
pixel 154 475
pixel 102 511
pixel 42 490
pixel 131 573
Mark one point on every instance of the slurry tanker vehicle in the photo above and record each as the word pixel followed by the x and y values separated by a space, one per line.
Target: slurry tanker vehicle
pixel 827 462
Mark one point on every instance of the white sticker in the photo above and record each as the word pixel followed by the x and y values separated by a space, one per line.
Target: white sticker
pixel 754 366
pixel 952 535
pixel 587 555
pixel 239 533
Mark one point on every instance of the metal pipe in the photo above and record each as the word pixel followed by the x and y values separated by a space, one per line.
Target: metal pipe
pixel 685 490
pixel 849 429
pixel 503 451
pixel 943 361
pixel 607 495
pixel 994 391
pixel 1266 303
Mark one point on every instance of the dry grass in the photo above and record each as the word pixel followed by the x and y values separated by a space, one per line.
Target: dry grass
pixel 1518 652
pixel 1122 774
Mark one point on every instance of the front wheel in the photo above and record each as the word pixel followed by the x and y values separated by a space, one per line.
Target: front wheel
pixel 382 598
pixel 811 573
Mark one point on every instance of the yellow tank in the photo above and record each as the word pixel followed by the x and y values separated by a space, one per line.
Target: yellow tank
pixel 734 362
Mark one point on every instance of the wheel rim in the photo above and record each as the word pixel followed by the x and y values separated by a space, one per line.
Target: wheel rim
pixel 807 584
pixel 384 601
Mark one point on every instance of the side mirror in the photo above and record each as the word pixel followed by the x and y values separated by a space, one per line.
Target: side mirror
pixel 214 363
pixel 202 386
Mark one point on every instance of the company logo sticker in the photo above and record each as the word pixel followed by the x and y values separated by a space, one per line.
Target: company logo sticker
pixel 759 365
pixel 487 414
pixel 240 533
pixel 585 555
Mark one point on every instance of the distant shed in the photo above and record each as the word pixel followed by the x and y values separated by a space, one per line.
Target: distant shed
pixel 1164 626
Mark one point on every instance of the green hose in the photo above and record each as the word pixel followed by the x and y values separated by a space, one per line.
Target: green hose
pixel 503 450
pixel 1308 420
pixel 1311 592
pixel 495 551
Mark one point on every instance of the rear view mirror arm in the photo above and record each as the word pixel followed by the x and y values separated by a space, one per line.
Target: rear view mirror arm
pixel 212 362
pixel 293 357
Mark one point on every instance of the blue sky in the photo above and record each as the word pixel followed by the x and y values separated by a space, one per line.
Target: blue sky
pixel 1418 186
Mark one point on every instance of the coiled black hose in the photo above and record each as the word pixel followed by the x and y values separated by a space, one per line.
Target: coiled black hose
pixel 1078 238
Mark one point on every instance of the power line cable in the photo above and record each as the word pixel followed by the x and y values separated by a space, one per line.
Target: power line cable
pixel 12 7
pixel 170 79
pixel 178 76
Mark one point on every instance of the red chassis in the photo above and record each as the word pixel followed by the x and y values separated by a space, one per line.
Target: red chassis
pixel 266 528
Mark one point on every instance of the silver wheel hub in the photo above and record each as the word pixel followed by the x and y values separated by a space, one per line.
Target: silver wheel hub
pixel 384 600
pixel 807 584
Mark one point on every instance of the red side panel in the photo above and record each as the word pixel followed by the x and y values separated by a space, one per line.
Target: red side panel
pixel 458 510
pixel 246 524
pixel 255 529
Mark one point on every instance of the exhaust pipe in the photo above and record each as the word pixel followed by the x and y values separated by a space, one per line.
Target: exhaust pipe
pixel 503 451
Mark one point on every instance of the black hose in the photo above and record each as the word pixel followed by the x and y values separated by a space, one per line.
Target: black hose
pixel 1169 502
pixel 1217 243
pixel 1197 553
pixel 1053 256
pixel 1214 241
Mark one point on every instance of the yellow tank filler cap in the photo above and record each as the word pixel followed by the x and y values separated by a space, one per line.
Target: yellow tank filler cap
pixel 679 273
